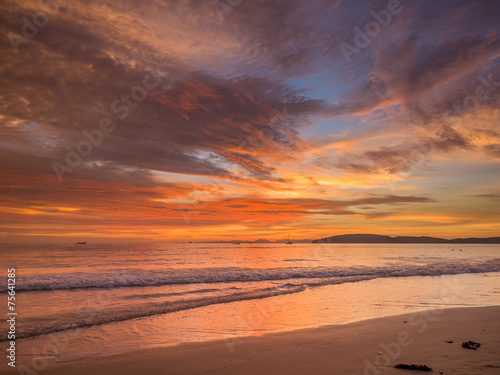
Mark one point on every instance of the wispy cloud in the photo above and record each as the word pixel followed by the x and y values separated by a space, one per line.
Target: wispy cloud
pixel 260 104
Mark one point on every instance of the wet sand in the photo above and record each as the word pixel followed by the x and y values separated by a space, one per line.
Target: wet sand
pixel 357 348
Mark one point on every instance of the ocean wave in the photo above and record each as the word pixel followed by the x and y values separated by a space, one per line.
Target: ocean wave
pixel 161 295
pixel 88 316
pixel 173 276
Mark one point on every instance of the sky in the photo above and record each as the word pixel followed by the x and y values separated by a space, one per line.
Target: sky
pixel 188 120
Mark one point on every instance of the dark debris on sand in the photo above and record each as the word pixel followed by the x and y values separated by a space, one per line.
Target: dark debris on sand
pixel 471 345
pixel 413 366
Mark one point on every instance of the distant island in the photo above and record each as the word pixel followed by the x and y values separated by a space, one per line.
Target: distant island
pixel 375 238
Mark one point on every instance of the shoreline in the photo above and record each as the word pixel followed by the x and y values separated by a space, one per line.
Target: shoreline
pixel 357 347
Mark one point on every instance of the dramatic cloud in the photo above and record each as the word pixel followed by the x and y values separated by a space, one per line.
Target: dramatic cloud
pixel 188 113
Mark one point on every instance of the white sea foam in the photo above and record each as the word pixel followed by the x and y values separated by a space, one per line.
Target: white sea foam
pixel 293 280
pixel 172 276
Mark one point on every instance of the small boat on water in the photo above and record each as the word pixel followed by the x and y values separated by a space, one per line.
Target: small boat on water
pixel 82 243
pixel 288 242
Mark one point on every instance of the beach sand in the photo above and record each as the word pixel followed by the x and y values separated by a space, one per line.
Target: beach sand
pixel 353 348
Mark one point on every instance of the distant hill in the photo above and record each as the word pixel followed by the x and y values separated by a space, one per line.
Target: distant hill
pixel 375 238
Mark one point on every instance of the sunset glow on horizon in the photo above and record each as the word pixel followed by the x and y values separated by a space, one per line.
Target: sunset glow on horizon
pixel 192 121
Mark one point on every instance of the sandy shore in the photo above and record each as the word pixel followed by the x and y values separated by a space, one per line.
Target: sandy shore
pixel 347 349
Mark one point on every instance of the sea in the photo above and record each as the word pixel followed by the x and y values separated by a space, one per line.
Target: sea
pixel 77 301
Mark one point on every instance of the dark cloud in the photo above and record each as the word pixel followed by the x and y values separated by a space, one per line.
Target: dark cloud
pixel 228 103
pixel 494 196
pixel 493 150
pixel 197 122
pixel 401 158
pixel 431 58
pixel 392 199
pixel 186 125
